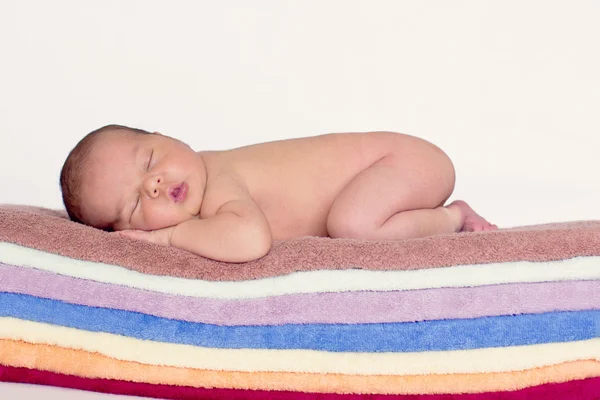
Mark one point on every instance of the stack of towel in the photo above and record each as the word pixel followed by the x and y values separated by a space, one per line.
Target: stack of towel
pixel 509 314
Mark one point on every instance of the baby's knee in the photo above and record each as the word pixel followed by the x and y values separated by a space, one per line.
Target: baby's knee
pixel 446 170
pixel 430 161
pixel 436 171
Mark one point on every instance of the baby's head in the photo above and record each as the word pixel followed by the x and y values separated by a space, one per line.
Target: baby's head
pixel 118 178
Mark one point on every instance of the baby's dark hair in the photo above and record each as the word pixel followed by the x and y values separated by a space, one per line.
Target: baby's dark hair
pixel 71 175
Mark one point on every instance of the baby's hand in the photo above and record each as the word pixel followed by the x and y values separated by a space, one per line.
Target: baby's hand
pixel 159 236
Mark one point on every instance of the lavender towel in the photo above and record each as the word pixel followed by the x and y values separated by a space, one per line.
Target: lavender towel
pixel 399 306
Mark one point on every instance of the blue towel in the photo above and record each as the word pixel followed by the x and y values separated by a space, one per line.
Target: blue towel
pixel 454 334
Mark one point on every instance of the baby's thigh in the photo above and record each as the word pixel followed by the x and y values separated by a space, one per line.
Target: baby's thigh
pixel 413 174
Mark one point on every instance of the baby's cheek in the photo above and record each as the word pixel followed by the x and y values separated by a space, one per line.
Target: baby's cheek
pixel 156 217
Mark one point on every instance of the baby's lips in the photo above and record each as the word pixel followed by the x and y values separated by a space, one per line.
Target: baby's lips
pixel 178 193
pixel 171 192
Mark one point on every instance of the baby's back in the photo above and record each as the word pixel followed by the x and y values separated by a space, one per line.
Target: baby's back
pixel 296 181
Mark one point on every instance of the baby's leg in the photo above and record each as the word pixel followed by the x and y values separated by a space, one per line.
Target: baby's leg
pixel 402 196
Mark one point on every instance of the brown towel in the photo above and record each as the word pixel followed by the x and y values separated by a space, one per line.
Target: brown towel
pixel 50 231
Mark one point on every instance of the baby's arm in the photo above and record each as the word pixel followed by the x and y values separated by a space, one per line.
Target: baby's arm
pixel 238 232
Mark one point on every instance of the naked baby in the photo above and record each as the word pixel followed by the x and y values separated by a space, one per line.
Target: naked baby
pixel 230 205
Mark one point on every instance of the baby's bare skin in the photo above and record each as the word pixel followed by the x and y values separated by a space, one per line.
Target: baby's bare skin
pixel 377 185
pixel 294 182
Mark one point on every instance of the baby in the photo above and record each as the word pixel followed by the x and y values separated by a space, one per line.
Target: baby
pixel 230 205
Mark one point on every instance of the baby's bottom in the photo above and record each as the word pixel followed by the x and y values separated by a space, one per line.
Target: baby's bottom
pixel 402 196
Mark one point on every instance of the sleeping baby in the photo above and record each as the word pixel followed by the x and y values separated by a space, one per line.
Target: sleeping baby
pixel 230 205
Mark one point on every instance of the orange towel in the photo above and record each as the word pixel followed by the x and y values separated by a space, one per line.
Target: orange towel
pixel 92 365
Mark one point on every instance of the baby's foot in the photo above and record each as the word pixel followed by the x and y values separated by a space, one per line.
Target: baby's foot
pixel 471 221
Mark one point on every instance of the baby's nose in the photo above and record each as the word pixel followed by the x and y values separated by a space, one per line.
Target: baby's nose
pixel 153 186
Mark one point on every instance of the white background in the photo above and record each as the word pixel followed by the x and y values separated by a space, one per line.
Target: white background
pixel 509 89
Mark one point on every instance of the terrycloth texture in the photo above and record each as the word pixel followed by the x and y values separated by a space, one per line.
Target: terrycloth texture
pixel 588 389
pixel 438 335
pixel 416 305
pixel 506 314
pixel 498 359
pixel 92 365
pixel 580 268
pixel 38 228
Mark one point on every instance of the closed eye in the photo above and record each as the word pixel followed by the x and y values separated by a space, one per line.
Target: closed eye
pixel 150 160
pixel 134 208
pixel 137 203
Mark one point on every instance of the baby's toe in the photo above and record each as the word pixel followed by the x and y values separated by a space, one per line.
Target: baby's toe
pixel 491 227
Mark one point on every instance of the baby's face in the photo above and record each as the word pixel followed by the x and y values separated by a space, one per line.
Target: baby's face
pixel 136 181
